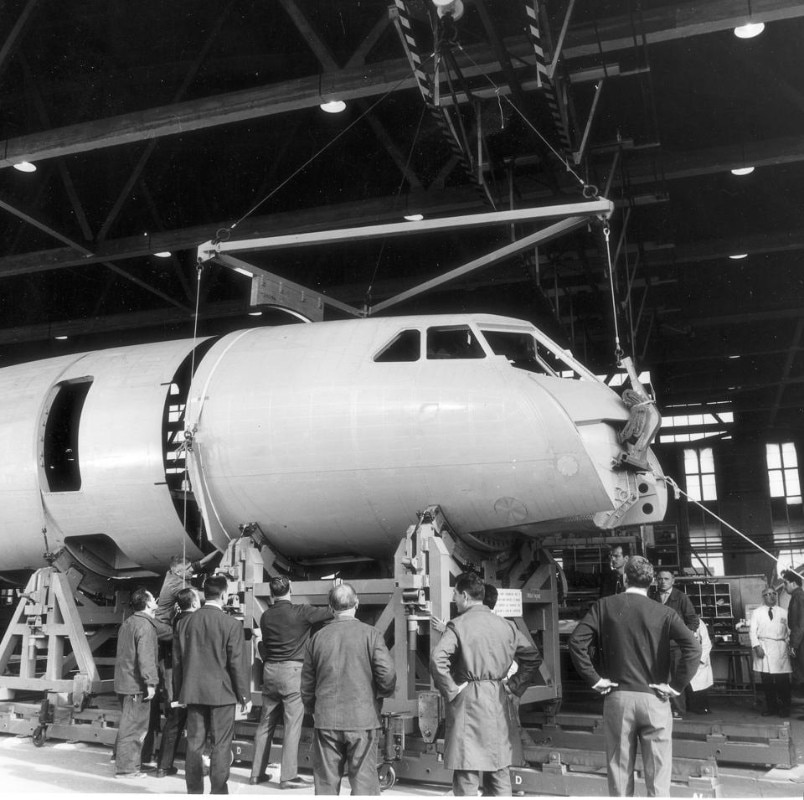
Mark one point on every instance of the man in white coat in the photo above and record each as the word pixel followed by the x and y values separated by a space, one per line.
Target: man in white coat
pixel 770 636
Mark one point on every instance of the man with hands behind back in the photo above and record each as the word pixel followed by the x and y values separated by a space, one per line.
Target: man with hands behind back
pixel 632 635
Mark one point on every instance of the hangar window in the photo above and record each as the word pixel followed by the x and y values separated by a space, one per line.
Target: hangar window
pixel 699 469
pixel 456 341
pixel 405 346
pixel 60 446
pixel 783 472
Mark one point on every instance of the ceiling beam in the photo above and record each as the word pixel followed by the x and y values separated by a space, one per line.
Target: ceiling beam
pixel 361 81
pixel 588 208
pixel 526 243
pixel 716 160
pixel 675 21
pixel 15 36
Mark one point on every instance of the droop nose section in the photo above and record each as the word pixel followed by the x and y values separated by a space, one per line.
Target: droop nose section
pixel 640 498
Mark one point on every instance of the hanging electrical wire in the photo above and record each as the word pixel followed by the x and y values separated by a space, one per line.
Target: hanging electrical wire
pixel 589 191
pixel 367 301
pixel 224 233
pixel 679 492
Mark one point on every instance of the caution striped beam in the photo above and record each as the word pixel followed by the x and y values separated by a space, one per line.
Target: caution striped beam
pixel 545 81
pixel 417 59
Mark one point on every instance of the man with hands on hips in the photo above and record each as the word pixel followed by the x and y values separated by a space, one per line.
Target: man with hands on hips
pixel 632 634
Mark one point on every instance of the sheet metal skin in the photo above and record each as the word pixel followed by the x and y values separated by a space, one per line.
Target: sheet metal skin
pixel 123 494
pixel 297 428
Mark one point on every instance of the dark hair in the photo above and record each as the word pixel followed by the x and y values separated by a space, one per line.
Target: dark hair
pixel 490 596
pixel 185 597
pixel 139 598
pixel 279 586
pixel 639 572
pixel 791 577
pixel 624 547
pixel 215 586
pixel 342 597
pixel 471 583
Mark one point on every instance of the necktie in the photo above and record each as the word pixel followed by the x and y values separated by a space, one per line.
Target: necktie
pixel 770 615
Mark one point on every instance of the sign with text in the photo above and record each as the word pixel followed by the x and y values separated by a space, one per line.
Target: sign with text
pixel 509 603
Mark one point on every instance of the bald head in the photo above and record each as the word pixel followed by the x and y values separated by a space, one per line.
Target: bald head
pixel 342 598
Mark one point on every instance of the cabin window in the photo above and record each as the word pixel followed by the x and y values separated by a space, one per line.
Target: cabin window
pixel 405 346
pixel 456 341
pixel 518 348
pixel 60 450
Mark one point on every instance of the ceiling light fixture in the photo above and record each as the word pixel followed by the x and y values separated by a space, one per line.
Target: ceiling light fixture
pixel 333 106
pixel 742 171
pixel 255 313
pixel 414 217
pixel 749 30
pixel 733 357
pixel 25 166
pixel 163 254
pixel 452 7
pixel 243 272
pixel 61 338
pixel 738 256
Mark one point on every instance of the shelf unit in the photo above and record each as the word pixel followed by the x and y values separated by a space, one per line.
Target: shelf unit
pixel 661 546
pixel 713 603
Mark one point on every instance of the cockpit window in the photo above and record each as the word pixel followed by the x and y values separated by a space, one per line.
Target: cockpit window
pixel 456 341
pixel 405 346
pixel 555 363
pixel 525 351
pixel 518 348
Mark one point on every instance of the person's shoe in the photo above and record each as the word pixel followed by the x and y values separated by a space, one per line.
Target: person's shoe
pixel 256 779
pixel 706 711
pixel 163 773
pixel 137 774
pixel 296 783
pixel 676 715
pixel 768 713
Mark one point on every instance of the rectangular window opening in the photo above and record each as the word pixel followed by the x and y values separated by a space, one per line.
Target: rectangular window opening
pixel 699 469
pixel 60 456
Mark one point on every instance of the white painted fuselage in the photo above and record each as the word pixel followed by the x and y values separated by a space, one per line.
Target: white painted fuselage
pixel 330 436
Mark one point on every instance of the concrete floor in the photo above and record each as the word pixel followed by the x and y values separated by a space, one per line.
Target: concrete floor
pixel 76 767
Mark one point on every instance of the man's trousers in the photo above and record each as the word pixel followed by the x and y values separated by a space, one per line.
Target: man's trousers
pixel 353 753
pixel 131 733
pixel 631 717
pixel 467 783
pixel 281 699
pixel 217 724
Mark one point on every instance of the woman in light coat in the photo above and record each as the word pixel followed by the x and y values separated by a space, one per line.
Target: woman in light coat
pixel 698 690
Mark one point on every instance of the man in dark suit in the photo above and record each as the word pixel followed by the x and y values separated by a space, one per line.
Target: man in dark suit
pixel 633 635
pixel 211 676
pixel 664 593
pixel 611 581
pixel 347 671
pixel 188 601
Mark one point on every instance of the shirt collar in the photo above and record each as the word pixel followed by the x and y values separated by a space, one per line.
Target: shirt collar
pixel 637 590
